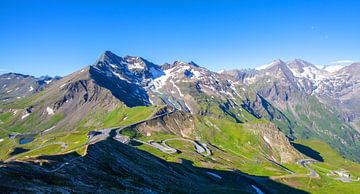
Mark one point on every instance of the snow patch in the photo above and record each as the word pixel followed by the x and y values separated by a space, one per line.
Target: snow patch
pixel 178 89
pixel 151 102
pixel 31 89
pixel 120 77
pixel 258 191
pixel 320 66
pixel 333 68
pixel 48 81
pixel 343 62
pixel 160 81
pixel 214 175
pixel 267 140
pixel 197 74
pixel 263 66
pixel 135 66
pixel 47 130
pixel 250 80
pixel 62 85
pixel 113 66
pixel 25 115
pixel 187 106
pixel 49 110
pixel 310 73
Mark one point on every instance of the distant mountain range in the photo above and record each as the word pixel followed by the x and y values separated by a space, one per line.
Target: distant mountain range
pixel 279 105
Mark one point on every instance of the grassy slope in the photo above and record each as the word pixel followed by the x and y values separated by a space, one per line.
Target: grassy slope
pixel 239 148
pixel 313 120
pixel 332 161
pixel 74 139
pixel 234 146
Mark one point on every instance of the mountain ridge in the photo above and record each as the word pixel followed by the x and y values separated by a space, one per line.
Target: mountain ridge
pixel 258 121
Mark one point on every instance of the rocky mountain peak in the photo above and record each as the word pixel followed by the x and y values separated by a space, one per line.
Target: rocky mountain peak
pixel 300 64
pixel 134 62
pixel 279 68
pixel 273 64
pixel 179 63
pixel 354 69
pixel 192 63
pixel 109 57
pixel 183 63
pixel 277 61
pixel 301 68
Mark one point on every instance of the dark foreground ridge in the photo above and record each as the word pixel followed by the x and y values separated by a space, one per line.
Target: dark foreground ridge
pixel 112 167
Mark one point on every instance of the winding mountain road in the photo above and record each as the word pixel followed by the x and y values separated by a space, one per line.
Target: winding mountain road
pixel 304 163
pixel 200 148
pixel 114 133
pixel 164 148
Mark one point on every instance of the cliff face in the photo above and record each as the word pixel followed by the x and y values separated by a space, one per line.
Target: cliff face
pixel 277 144
pixel 17 86
pixel 178 123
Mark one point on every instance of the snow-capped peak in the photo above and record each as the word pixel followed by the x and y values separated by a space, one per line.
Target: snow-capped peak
pixel 266 66
pixel 342 62
pixel 134 62
pixel 263 66
pixel 333 68
pixel 337 65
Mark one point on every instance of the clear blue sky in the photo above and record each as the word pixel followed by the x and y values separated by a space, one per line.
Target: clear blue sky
pixel 58 37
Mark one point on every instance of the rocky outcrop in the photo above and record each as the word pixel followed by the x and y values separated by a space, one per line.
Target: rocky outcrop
pixel 178 123
pixel 17 86
pixel 277 144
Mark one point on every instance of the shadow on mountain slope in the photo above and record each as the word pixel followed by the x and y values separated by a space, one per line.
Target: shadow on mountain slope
pixel 308 151
pixel 113 167
pixel 18 150
pixel 131 94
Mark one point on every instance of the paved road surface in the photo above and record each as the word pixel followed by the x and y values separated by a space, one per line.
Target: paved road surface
pixel 304 163
pixel 200 148
pixel 164 148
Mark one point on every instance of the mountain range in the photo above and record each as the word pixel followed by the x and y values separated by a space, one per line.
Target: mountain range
pixel 264 127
